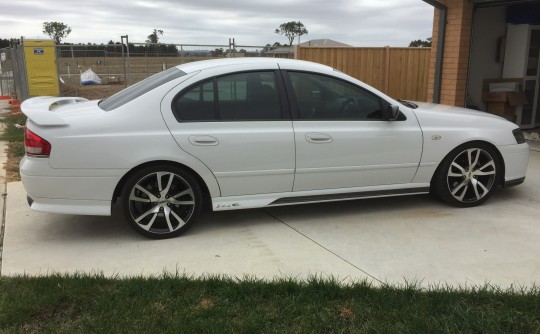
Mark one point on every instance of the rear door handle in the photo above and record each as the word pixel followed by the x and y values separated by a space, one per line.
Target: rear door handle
pixel 203 140
pixel 318 138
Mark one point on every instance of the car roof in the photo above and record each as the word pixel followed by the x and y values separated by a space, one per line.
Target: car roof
pixel 283 63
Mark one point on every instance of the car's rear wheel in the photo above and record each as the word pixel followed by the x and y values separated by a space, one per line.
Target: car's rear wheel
pixel 161 201
pixel 468 175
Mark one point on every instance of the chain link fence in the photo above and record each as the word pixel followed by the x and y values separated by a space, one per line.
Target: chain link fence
pixel 13 78
pixel 114 66
pixel 118 66
pixel 7 86
pixel 38 67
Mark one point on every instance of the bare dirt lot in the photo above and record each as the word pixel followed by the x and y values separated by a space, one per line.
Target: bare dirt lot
pixel 92 92
pixel 111 72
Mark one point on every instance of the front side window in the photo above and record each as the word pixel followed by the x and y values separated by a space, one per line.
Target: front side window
pixel 319 97
pixel 236 97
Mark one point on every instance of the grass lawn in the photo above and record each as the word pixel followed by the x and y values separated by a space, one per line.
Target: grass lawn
pixel 179 304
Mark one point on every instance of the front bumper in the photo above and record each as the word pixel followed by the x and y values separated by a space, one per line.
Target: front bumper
pixel 516 161
pixel 513 183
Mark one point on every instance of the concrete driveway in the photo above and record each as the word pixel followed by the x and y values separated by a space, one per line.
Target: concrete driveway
pixel 384 240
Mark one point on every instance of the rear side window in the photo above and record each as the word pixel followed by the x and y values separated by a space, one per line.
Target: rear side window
pixel 236 97
pixel 196 104
pixel 142 87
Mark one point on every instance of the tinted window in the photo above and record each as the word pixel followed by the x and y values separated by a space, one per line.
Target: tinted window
pixel 142 87
pixel 242 96
pixel 196 104
pixel 322 97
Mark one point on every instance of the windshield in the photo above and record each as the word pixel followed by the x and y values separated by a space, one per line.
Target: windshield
pixel 408 104
pixel 142 87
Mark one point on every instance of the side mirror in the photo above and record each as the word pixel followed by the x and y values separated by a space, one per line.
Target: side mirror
pixel 391 113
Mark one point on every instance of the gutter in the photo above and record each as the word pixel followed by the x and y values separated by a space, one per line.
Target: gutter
pixel 493 3
pixel 440 48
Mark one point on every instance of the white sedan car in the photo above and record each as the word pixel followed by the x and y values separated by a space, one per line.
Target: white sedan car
pixel 255 132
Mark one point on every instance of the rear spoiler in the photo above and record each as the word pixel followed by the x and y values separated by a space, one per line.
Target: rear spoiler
pixel 38 109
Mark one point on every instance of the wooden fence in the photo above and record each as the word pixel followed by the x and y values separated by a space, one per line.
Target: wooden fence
pixel 401 73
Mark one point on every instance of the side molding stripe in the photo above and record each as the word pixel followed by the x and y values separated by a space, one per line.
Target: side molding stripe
pixel 330 197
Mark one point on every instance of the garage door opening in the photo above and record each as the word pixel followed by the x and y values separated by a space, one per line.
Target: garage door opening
pixel 504 68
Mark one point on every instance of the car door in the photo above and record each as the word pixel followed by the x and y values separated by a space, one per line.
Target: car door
pixel 342 140
pixel 238 125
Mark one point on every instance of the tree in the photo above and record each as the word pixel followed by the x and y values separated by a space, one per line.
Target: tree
pixel 291 30
pixel 217 52
pixel 4 43
pixel 57 31
pixel 420 43
pixel 154 36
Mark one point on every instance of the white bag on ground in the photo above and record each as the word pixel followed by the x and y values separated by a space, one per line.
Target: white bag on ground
pixel 89 77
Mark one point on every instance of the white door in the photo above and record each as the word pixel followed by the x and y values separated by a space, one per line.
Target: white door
pixel 235 125
pixel 342 140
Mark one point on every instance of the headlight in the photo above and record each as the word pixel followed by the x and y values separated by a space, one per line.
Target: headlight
pixel 518 135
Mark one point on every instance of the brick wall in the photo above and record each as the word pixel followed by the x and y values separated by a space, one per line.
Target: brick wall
pixel 456 52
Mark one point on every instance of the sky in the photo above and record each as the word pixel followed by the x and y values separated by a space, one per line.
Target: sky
pixel 249 22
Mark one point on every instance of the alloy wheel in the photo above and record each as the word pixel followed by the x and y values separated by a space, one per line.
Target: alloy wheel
pixel 161 202
pixel 471 175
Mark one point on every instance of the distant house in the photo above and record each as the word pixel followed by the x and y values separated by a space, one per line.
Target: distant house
pixel 324 43
pixel 281 52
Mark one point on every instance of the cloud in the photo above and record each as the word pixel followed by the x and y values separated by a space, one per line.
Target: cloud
pixel 355 22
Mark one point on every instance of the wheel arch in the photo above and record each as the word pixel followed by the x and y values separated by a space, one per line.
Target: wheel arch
pixel 207 198
pixel 500 180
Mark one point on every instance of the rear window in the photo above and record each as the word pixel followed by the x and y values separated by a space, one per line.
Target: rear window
pixel 142 87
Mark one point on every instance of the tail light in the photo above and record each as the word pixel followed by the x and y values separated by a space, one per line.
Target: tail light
pixel 35 145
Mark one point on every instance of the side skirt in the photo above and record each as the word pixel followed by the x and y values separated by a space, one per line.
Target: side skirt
pixel 348 196
pixel 315 196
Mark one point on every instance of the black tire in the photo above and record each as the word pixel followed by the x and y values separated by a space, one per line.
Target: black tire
pixel 468 175
pixel 161 201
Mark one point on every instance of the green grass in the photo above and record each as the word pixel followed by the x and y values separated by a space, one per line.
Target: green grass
pixel 180 304
pixel 12 133
pixel 15 147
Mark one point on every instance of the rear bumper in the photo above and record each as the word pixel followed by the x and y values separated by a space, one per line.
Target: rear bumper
pixel 68 191
pixel 69 206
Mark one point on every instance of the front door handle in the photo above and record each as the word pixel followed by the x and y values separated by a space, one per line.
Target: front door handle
pixel 318 138
pixel 203 140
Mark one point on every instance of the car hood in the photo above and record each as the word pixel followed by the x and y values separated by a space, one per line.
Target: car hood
pixel 437 119
pixel 452 115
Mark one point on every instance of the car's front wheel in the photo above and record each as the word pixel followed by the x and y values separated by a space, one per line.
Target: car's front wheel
pixel 468 175
pixel 161 201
